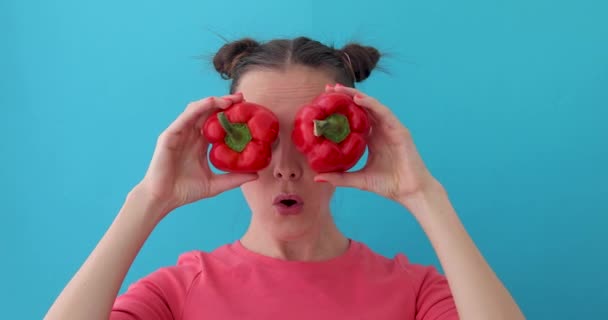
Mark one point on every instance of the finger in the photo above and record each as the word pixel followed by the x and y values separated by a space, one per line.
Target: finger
pixel 379 110
pixel 196 110
pixel 226 181
pixel 338 87
pixel 231 99
pixel 343 179
pixel 235 97
pixel 199 151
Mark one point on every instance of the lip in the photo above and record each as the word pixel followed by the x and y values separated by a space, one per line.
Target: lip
pixel 287 196
pixel 288 210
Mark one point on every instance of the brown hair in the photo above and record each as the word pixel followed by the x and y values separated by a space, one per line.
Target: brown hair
pixel 353 63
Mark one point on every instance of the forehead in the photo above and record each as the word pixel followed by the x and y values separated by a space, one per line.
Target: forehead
pixel 283 90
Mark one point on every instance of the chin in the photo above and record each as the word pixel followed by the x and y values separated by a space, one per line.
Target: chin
pixel 291 226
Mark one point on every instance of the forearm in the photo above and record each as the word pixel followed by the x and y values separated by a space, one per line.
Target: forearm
pixel 477 291
pixel 90 294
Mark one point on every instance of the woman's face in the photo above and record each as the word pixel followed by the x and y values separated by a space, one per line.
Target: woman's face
pixel 284 92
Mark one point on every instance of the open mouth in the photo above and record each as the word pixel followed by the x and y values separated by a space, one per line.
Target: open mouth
pixel 288 200
pixel 288 204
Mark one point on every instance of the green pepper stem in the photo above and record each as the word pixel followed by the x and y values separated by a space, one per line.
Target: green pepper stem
pixel 335 127
pixel 237 134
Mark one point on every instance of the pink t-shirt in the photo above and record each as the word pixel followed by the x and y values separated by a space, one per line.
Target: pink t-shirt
pixel 233 282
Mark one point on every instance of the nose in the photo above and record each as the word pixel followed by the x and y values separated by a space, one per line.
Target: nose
pixel 287 166
pixel 286 173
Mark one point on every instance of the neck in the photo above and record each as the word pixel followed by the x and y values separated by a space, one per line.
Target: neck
pixel 323 242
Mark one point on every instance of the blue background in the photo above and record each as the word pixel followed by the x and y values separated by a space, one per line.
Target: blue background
pixel 507 102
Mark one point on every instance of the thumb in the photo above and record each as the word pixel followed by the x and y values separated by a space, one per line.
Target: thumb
pixel 342 179
pixel 227 181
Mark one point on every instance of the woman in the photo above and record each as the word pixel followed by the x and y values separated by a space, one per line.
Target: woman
pixel 296 266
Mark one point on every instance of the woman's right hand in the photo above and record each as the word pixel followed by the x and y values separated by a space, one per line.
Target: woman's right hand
pixel 179 172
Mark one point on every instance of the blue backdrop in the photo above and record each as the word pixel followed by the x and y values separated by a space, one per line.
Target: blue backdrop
pixel 507 102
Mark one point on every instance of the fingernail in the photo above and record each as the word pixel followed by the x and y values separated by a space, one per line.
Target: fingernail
pixel 320 180
pixel 339 85
pixel 358 95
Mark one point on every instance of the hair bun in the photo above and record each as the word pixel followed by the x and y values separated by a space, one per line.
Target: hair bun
pixel 363 59
pixel 230 54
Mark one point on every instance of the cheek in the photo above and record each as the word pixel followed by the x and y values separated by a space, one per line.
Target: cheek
pixel 321 192
pixel 257 190
pixel 249 189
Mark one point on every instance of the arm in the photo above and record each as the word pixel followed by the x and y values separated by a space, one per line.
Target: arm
pixel 176 176
pixel 395 170
pixel 477 291
pixel 90 294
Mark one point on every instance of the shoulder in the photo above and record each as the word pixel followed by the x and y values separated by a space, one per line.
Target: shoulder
pixel 162 293
pixel 188 266
pixel 416 275
pixel 176 279
pixel 400 262
pixel 430 288
pixel 192 263
pixel 171 280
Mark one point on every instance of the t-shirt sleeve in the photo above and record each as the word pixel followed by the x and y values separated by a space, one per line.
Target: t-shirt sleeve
pixel 434 300
pixel 159 295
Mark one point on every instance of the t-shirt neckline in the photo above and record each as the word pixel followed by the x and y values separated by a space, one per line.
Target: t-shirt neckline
pixel 343 260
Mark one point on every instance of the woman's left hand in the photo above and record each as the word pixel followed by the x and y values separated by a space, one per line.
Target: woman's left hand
pixel 394 169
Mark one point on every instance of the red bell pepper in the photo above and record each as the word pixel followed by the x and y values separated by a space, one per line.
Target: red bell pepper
pixel 332 132
pixel 241 136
